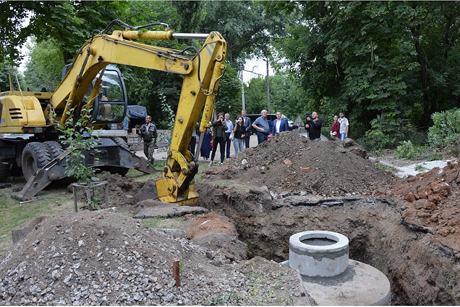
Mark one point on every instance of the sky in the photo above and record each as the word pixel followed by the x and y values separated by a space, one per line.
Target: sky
pixel 258 66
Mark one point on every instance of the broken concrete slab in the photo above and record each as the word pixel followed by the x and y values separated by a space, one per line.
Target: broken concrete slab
pixel 148 191
pixel 154 208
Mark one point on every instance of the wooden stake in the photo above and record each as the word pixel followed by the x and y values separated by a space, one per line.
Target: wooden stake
pixel 176 272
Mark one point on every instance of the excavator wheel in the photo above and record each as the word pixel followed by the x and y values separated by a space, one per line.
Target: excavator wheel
pixel 34 156
pixel 4 170
pixel 54 149
pixel 120 170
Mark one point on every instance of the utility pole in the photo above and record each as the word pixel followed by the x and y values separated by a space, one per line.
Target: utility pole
pixel 240 71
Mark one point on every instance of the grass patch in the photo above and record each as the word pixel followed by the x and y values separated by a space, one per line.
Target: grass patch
pixel 159 222
pixel 386 167
pixel 13 213
pixel 58 199
pixel 420 168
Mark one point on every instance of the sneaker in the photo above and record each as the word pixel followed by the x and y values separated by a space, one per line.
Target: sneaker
pixel 210 163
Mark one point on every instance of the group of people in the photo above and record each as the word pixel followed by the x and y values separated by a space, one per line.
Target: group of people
pixel 339 128
pixel 265 127
pixel 223 131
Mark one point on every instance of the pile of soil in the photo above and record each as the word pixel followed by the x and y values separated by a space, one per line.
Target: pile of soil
pixel 121 189
pixel 289 162
pixel 105 258
pixel 431 204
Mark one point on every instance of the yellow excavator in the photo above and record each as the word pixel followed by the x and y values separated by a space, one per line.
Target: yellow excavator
pixel 28 134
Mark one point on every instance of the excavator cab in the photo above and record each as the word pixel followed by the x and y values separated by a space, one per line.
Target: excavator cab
pixel 110 106
pixel 111 103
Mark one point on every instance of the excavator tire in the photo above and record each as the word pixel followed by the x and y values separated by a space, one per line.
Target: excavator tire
pixel 4 171
pixel 34 156
pixel 54 149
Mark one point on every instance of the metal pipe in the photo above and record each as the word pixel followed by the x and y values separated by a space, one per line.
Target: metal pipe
pixel 189 36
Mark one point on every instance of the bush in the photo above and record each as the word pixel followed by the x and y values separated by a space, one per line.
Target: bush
pixel 407 150
pixel 384 134
pixel 445 129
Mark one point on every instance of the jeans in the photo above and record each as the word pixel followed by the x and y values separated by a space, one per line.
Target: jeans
pixel 227 143
pixel 239 145
pixel 342 136
pixel 261 137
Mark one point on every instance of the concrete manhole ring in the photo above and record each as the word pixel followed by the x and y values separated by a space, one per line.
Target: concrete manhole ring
pixel 318 253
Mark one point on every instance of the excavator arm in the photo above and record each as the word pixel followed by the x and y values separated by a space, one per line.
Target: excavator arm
pixel 202 72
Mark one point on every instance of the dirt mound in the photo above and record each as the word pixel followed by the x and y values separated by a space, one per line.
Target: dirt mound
pixel 120 190
pixel 105 258
pixel 432 204
pixel 289 162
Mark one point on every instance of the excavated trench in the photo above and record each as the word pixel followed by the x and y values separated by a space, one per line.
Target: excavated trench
pixel 420 271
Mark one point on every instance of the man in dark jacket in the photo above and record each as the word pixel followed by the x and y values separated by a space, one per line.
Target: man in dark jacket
pixel 148 133
pixel 280 124
pixel 248 125
pixel 314 125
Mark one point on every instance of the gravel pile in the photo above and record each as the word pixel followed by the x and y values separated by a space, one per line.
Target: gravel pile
pixel 106 258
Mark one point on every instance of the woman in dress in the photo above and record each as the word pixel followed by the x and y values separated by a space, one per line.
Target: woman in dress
pixel 206 145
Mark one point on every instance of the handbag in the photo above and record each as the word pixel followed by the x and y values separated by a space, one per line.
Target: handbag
pixel 232 136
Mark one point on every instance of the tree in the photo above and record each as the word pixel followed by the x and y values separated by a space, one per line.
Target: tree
pixel 244 25
pixel 44 68
pixel 228 99
pixel 386 60
pixel 69 22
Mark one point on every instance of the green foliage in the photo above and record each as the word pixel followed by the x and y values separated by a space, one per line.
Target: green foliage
pixel 244 25
pixel 69 22
pixel 386 167
pixel 44 68
pixel 369 57
pixel 420 168
pixel 168 122
pixel 229 98
pixel 77 138
pixel 222 300
pixel 361 57
pixel 406 150
pixel 385 133
pixel 445 129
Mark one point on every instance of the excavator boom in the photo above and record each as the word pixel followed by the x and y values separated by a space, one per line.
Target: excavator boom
pixel 202 71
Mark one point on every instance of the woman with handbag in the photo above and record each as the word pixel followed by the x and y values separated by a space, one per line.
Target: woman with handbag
pixel 239 132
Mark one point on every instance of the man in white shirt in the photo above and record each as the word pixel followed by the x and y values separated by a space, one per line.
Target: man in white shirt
pixel 343 126
pixel 280 124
